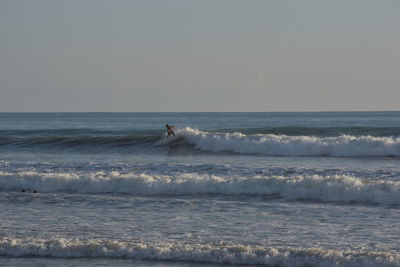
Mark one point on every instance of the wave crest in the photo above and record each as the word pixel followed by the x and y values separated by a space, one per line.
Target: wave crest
pixel 284 145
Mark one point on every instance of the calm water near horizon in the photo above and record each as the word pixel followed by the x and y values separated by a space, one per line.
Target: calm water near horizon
pixel 277 189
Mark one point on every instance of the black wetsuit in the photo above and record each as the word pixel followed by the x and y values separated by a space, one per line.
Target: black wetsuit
pixel 170 130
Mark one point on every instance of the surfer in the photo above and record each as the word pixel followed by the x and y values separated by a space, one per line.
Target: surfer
pixel 170 129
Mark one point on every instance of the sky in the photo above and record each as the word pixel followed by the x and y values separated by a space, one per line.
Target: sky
pixel 199 56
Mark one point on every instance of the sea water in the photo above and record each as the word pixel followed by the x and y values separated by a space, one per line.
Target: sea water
pixel 276 189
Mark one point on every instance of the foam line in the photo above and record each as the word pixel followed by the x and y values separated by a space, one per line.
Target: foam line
pixel 204 253
pixel 329 188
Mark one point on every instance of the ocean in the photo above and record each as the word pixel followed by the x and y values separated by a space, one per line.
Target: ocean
pixel 228 189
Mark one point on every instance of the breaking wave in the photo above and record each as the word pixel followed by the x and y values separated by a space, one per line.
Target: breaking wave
pixel 284 145
pixel 190 140
pixel 324 188
pixel 201 253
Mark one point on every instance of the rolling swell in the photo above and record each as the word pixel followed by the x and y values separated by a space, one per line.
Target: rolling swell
pixel 79 141
pixel 202 253
pixel 75 132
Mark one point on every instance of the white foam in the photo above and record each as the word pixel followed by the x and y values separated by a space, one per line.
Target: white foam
pixel 205 253
pixel 284 145
pixel 331 188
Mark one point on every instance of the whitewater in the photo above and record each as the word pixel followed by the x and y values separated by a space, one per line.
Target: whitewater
pixel 284 145
pixel 228 189
pixel 329 188
pixel 206 253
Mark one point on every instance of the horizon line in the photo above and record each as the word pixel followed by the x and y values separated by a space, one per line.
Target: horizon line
pixel 322 111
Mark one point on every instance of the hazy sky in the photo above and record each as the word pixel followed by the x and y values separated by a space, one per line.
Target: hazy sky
pixel 217 55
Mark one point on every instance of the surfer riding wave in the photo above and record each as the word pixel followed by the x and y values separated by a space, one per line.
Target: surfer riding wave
pixel 170 130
